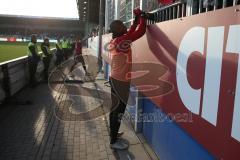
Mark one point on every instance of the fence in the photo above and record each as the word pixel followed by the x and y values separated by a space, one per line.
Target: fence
pixel 187 8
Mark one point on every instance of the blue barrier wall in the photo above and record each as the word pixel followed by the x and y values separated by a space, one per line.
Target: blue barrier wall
pixel 168 140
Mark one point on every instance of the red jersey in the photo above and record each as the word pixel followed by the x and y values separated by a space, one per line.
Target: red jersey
pixel 78 48
pixel 121 54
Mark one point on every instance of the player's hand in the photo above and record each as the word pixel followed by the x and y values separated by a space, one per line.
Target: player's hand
pixel 137 11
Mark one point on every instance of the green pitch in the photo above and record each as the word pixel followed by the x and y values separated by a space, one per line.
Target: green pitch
pixel 12 50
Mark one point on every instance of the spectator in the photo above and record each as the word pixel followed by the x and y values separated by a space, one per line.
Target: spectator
pixel 33 59
pixel 165 2
pixel 208 3
pixel 59 53
pixel 46 56
pixel 65 48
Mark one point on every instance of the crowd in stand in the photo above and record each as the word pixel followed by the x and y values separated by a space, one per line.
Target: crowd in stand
pixel 40 34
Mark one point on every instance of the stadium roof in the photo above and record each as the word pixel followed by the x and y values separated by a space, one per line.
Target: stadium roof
pixel 88 10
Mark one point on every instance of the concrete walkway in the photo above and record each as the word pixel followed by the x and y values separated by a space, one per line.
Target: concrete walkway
pixel 37 130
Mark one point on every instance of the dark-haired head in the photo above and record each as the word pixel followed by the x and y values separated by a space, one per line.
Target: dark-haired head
pixel 34 38
pixel 117 28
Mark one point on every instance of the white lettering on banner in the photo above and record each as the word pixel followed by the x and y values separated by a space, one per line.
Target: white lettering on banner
pixel 213 74
pixel 192 41
pixel 233 46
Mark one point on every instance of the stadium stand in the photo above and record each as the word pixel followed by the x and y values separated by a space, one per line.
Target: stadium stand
pixel 23 27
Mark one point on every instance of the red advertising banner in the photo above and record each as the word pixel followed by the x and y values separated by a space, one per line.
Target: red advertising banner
pixel 199 65
pixel 11 39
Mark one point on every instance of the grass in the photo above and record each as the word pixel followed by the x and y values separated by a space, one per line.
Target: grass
pixel 12 50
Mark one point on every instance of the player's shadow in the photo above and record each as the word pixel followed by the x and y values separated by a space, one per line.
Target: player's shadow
pixel 166 52
pixel 156 38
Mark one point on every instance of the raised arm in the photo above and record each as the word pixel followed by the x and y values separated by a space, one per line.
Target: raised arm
pixel 134 35
pixel 132 29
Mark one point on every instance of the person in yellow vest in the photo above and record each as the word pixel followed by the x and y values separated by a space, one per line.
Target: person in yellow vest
pixel 33 59
pixel 72 45
pixel 46 56
pixel 65 48
pixel 59 53
pixel 69 50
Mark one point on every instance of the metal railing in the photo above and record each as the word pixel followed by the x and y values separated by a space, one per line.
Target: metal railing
pixel 173 11
pixel 201 6
pixel 187 8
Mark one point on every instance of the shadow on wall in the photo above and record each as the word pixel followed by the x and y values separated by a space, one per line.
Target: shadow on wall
pixel 158 41
pixel 166 52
